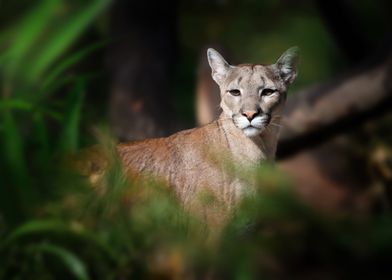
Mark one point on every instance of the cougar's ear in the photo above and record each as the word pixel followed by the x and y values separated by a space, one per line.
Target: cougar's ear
pixel 218 65
pixel 287 65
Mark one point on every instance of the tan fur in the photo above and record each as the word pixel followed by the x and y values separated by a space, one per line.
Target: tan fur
pixel 195 162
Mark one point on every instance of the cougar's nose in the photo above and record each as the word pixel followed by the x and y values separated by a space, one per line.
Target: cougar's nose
pixel 250 115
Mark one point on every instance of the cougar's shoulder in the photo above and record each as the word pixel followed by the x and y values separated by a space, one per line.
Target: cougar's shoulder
pixel 148 154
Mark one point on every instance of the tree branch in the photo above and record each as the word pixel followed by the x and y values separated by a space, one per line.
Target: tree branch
pixel 318 113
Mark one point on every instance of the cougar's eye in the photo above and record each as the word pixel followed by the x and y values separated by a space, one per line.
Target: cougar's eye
pixel 235 92
pixel 267 91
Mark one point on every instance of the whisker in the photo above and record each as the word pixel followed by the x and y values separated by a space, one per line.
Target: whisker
pixel 263 144
pixel 269 129
pixel 227 118
pixel 275 124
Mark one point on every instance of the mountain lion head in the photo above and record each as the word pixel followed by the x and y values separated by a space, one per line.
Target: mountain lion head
pixel 253 95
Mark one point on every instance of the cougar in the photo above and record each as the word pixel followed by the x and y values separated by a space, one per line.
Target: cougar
pixel 204 166
pixel 195 161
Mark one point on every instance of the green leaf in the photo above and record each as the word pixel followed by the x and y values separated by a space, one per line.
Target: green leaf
pixel 69 137
pixel 19 104
pixel 66 80
pixel 74 264
pixel 68 62
pixel 42 139
pixel 63 37
pixel 34 227
pixel 13 153
pixel 48 227
pixel 28 31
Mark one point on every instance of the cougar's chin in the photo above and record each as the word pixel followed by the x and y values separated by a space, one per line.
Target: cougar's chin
pixel 252 131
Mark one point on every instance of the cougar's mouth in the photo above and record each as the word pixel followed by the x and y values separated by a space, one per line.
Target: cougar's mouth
pixel 252 131
pixel 254 127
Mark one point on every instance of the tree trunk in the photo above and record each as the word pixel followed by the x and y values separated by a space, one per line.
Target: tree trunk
pixel 141 59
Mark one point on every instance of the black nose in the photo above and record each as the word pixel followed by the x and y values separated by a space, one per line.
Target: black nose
pixel 250 115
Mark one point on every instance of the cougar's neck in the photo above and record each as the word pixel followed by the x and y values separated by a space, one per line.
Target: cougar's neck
pixel 249 149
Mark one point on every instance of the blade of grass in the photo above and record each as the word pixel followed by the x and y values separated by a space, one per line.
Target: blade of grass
pixel 74 264
pixel 28 31
pixel 19 104
pixel 68 62
pixel 63 81
pixel 68 141
pixel 42 139
pixel 13 153
pixel 52 227
pixel 62 38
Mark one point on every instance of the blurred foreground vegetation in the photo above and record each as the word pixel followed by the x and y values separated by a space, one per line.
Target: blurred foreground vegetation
pixel 54 226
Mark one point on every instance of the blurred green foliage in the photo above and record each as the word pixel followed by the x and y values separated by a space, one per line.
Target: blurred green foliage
pixel 54 226
pixel 32 80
